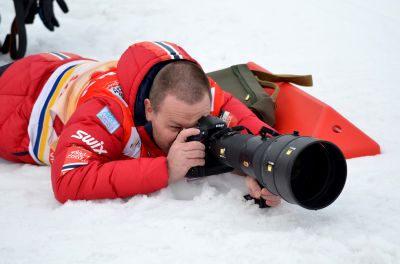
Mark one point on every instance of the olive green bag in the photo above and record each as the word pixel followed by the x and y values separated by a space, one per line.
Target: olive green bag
pixel 248 86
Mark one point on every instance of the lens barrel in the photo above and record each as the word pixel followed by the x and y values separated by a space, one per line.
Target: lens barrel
pixel 302 170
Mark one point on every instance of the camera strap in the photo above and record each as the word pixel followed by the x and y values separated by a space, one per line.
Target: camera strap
pixel 261 202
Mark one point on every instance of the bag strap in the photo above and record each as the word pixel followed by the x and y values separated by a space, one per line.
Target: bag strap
pixel 303 80
pixel 272 85
pixel 267 80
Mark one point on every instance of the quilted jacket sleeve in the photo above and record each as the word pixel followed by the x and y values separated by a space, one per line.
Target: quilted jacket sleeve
pixel 244 116
pixel 88 163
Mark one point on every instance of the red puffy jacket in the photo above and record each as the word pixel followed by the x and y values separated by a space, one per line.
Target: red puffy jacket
pixel 101 151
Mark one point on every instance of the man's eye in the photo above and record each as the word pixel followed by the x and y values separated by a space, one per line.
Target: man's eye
pixel 175 128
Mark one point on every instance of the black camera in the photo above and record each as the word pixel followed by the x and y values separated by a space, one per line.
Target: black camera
pixel 302 170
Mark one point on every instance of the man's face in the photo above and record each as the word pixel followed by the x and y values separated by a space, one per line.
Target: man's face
pixel 172 116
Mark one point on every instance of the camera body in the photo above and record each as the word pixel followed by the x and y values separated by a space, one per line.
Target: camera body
pixel 209 126
pixel 302 170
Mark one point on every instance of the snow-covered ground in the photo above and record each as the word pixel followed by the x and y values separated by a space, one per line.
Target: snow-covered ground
pixel 351 48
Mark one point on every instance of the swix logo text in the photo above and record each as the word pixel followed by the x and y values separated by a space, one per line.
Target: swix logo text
pixel 90 141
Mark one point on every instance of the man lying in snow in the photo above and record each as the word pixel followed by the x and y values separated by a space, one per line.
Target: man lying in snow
pixel 117 128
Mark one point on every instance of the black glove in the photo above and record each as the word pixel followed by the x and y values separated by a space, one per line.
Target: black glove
pixel 31 9
pixel 46 12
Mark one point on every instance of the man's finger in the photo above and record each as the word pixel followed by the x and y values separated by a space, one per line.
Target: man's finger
pixel 195 162
pixel 266 195
pixel 195 154
pixel 193 145
pixel 265 191
pixel 271 198
pixel 185 133
pixel 254 188
pixel 273 203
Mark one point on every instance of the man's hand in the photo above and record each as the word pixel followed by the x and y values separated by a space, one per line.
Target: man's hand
pixel 183 155
pixel 256 192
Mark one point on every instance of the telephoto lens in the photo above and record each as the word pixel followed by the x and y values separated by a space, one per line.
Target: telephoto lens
pixel 302 170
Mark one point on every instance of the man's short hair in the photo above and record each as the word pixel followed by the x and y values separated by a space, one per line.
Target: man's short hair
pixel 183 79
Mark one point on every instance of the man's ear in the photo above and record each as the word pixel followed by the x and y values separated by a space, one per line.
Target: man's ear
pixel 148 109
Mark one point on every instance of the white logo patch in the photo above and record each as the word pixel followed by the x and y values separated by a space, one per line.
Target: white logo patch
pixel 96 145
pixel 132 147
pixel 108 120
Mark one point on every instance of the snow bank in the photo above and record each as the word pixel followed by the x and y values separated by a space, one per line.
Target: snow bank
pixel 350 47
